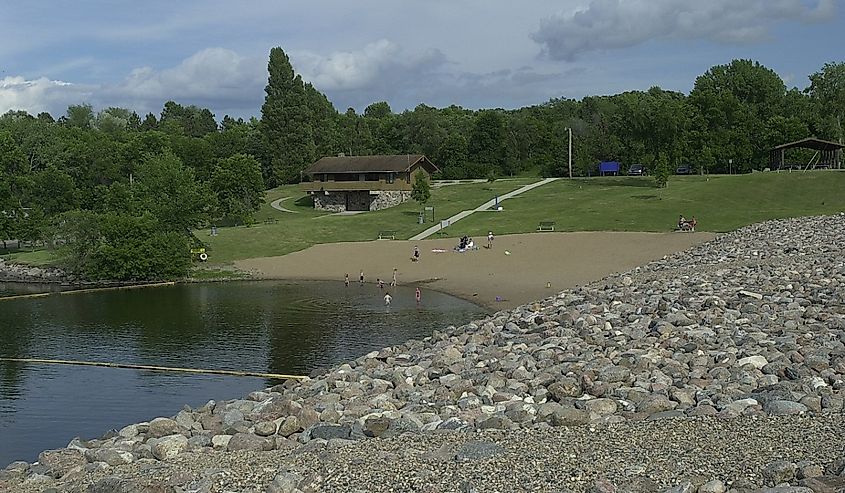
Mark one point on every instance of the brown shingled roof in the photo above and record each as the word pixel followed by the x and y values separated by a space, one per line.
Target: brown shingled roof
pixel 369 164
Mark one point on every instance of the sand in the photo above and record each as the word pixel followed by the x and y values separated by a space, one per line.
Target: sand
pixel 538 266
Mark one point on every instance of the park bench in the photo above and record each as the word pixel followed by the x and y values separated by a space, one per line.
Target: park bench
pixel 271 220
pixel 546 226
pixel 383 235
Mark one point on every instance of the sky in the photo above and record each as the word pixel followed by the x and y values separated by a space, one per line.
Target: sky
pixel 471 53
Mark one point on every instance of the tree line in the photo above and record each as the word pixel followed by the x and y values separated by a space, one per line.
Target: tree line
pixel 119 194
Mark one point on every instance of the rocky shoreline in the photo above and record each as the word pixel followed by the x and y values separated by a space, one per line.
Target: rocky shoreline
pixel 721 368
pixel 12 272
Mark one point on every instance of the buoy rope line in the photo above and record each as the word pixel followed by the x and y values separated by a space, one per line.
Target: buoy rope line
pixel 86 290
pixel 234 373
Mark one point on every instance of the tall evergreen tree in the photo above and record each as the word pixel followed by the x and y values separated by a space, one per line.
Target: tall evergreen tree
pixel 286 122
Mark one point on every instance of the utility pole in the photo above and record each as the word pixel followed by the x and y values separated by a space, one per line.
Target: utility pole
pixel 570 151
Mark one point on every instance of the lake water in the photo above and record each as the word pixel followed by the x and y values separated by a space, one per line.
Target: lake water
pixel 270 326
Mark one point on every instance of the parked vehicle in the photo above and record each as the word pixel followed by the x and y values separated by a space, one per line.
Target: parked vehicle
pixel 636 170
pixel 683 169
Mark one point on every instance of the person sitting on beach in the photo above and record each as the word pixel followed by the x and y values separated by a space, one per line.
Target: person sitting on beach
pixel 691 224
pixel 470 244
pixel 682 221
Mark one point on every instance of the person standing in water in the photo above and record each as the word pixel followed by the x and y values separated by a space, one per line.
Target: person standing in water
pixel 346 281
pixel 387 299
pixel 393 282
pixel 418 295
pixel 361 278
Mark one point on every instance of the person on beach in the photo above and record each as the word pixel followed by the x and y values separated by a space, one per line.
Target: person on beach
pixel 393 282
pixel 489 240
pixel 361 278
pixel 380 283
pixel 416 256
pixel 418 295
pixel 346 281
pixel 387 299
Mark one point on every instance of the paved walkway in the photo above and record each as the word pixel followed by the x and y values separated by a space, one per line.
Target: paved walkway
pixel 277 204
pixel 483 207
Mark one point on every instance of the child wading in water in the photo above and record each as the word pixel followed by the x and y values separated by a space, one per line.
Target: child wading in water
pixel 387 299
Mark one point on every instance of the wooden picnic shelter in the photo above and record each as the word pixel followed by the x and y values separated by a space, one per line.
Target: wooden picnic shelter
pixel 829 154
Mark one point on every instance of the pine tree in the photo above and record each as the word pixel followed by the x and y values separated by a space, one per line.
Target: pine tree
pixel 286 121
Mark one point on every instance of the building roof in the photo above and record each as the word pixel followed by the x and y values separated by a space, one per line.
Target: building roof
pixel 811 143
pixel 369 164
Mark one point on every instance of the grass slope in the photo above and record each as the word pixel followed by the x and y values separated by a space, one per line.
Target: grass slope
pixel 719 203
pixel 307 227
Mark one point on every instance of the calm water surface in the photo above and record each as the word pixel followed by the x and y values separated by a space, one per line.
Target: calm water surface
pixel 275 327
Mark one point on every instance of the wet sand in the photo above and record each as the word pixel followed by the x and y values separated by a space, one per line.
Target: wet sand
pixel 489 278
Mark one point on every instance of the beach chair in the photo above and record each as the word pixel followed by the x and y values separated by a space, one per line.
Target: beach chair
pixel 546 226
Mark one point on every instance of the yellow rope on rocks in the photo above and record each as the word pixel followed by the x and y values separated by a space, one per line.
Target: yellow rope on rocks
pixel 87 290
pixel 155 368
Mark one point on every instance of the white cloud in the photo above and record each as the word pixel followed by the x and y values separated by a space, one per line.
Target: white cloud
pixel 216 78
pixel 614 24
pixel 347 69
pixel 211 73
pixel 35 96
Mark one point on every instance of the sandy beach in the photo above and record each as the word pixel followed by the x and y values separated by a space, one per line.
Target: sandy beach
pixel 537 266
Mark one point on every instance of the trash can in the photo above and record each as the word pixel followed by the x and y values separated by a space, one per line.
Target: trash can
pixel 422 218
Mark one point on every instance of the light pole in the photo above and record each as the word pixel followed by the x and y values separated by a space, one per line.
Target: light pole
pixel 730 166
pixel 569 129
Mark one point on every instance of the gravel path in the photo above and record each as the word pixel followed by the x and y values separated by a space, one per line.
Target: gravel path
pixel 635 456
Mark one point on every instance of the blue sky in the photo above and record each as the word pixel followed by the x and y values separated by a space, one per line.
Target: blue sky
pixel 473 53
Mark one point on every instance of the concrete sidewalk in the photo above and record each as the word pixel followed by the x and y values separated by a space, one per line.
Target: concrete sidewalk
pixel 483 207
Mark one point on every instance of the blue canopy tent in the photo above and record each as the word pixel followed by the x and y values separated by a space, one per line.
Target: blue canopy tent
pixel 609 167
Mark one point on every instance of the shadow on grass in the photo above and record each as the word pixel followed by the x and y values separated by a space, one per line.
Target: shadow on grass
pixel 632 181
pixel 644 197
pixel 305 201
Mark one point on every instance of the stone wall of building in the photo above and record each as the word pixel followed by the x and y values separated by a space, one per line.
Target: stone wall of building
pixel 390 198
pixel 359 200
pixel 334 202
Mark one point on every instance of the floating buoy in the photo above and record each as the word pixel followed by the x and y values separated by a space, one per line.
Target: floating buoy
pixel 203 256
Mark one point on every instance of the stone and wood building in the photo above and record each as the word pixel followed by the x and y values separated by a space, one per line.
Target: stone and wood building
pixel 364 183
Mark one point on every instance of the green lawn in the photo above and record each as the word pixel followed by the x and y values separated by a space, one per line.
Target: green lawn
pixel 37 258
pixel 308 227
pixel 719 203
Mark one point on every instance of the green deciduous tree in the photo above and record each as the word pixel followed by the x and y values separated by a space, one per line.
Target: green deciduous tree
pixel 421 190
pixel 661 171
pixel 239 187
pixel 79 115
pixel 828 87
pixel 168 190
